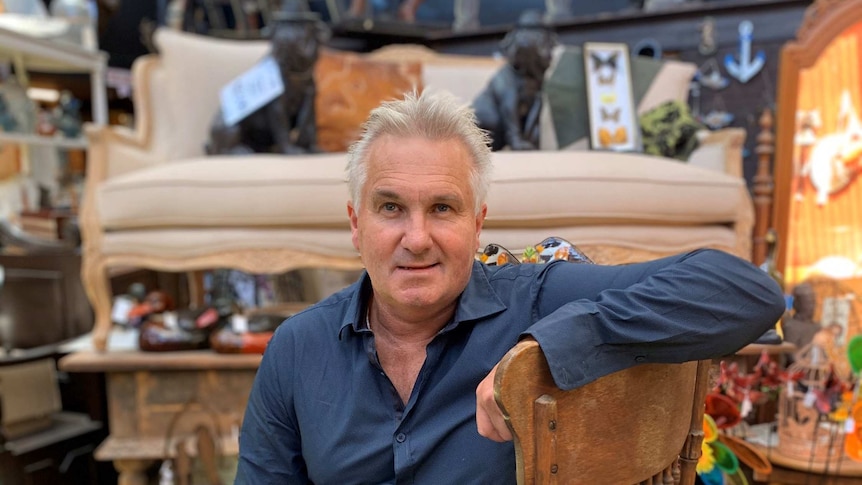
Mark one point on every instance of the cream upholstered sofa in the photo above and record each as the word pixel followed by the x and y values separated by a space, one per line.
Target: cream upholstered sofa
pixel 153 200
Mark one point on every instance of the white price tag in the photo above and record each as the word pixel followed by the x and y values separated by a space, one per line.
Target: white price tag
pixel 120 310
pixel 239 323
pixel 171 320
pixel 250 91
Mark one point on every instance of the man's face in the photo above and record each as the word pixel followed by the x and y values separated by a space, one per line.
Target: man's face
pixel 417 229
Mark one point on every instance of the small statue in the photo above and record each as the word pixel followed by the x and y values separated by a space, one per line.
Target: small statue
pixel 509 106
pixel 67 115
pixel 287 123
pixel 8 123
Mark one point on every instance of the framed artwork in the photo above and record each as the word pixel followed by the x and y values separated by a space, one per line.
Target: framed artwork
pixel 613 120
pixel 818 187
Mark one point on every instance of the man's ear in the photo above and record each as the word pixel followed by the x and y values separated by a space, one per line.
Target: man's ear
pixel 354 224
pixel 480 221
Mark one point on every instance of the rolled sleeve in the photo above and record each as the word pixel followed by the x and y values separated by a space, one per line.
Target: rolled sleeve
pixel 701 305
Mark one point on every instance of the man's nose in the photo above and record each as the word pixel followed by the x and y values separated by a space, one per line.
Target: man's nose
pixel 417 234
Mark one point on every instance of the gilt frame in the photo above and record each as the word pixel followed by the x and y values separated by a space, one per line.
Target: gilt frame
pixel 824 22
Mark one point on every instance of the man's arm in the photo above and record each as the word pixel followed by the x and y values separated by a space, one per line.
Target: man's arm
pixel 595 320
pixel 700 305
pixel 269 442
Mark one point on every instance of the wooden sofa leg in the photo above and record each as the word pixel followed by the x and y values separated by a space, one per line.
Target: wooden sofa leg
pixel 95 277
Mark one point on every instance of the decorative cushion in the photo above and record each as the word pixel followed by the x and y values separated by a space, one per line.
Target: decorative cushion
pixel 529 190
pixel 669 130
pixel 349 86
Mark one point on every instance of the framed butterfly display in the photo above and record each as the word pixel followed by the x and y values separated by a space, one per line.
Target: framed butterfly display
pixel 613 121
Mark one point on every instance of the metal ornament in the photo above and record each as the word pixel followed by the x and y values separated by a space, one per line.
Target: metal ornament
pixel 717 118
pixel 708 44
pixel 709 75
pixel 747 67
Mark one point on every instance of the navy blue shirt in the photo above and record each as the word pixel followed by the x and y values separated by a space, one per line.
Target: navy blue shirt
pixel 323 411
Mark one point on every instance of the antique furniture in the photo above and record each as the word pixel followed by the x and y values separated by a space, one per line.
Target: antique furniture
pixel 818 191
pixel 640 425
pixel 153 200
pixel 156 400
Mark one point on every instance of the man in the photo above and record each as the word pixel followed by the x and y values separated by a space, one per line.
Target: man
pixel 391 380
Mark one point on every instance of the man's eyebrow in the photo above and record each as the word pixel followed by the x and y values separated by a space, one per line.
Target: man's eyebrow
pixel 383 194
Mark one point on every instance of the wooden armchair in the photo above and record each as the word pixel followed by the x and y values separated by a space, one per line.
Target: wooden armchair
pixel 643 425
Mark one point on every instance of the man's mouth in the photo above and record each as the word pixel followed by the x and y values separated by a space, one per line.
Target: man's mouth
pixel 417 267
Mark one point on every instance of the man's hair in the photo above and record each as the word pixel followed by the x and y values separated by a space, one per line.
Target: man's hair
pixel 438 116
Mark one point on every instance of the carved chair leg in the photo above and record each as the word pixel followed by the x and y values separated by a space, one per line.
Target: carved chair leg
pixel 97 285
pixel 132 472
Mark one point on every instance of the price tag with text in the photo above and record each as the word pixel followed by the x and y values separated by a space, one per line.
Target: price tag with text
pixel 250 91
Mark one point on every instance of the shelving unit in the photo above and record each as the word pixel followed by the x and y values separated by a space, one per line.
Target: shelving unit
pixel 32 53
pixel 44 55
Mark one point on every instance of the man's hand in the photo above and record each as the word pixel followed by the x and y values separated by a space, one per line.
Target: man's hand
pixel 489 418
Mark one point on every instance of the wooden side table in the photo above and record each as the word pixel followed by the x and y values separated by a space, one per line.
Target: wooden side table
pixel 157 399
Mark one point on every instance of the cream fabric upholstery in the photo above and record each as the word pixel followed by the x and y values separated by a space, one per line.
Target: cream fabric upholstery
pixel 153 200
pixel 560 189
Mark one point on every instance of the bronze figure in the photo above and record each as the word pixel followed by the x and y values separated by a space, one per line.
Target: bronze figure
pixel 286 124
pixel 509 106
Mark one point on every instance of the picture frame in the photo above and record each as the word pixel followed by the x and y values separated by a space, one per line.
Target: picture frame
pixel 612 112
pixel 818 153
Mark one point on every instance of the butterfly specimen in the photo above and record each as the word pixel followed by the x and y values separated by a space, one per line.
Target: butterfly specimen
pixel 605 68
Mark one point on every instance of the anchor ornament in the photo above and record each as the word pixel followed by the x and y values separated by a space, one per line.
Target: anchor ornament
pixel 747 67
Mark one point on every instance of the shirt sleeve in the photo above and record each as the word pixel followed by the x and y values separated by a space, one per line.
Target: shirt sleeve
pixel 269 441
pixel 593 320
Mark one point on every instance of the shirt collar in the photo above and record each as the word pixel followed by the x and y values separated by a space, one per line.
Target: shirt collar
pixel 478 300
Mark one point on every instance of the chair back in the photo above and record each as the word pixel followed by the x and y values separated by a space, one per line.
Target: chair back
pixel 642 425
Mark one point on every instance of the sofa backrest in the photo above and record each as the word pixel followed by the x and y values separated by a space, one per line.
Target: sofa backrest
pixel 186 84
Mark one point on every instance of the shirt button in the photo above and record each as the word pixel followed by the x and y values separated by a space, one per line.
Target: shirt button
pixel 640 358
pixel 400 437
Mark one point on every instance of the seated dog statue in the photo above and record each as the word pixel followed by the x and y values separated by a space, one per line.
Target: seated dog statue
pixel 509 106
pixel 287 123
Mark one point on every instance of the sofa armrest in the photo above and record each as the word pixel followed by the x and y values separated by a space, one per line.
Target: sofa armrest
pixel 720 150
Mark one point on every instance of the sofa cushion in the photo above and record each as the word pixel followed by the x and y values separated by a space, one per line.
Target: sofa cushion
pixel 224 191
pixel 530 190
pixel 570 188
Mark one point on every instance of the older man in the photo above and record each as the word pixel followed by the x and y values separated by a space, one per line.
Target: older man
pixel 390 380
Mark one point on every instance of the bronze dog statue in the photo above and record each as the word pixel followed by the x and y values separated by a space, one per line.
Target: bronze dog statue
pixel 509 106
pixel 286 124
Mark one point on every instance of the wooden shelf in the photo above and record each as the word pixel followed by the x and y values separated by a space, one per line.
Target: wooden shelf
pixel 65 425
pixel 40 140
pixel 134 361
pixel 149 448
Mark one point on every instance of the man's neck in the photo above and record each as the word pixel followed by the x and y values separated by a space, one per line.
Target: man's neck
pixel 410 327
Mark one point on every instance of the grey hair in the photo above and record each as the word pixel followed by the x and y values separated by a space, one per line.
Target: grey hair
pixel 437 116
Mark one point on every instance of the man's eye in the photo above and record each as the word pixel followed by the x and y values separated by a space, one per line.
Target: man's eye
pixel 443 208
pixel 389 207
